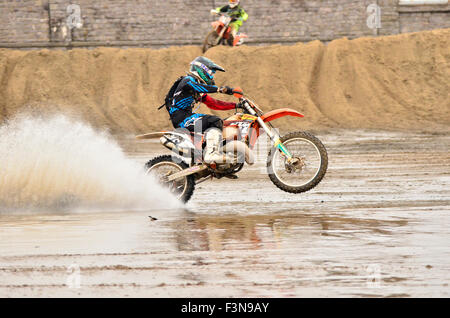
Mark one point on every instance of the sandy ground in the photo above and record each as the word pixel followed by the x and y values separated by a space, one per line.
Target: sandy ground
pixel 377 226
pixel 386 82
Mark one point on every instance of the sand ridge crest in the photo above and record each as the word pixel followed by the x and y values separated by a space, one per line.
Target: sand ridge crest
pixel 393 82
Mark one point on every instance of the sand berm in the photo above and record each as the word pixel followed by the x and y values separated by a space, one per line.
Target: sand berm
pixel 399 82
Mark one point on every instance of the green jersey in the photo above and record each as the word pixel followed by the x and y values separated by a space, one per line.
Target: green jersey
pixel 237 13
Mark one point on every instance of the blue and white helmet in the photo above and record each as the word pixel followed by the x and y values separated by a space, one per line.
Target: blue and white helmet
pixel 204 69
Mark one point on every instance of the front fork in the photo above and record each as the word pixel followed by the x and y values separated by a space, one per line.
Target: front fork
pixel 273 135
pixel 224 29
pixel 276 141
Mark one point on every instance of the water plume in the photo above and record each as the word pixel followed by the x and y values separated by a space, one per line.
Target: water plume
pixel 56 163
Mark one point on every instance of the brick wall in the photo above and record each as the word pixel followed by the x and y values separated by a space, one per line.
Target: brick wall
pixel 418 18
pixel 173 22
pixel 23 21
pixel 306 19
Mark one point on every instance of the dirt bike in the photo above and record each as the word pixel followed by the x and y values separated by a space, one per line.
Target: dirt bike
pixel 221 33
pixel 296 162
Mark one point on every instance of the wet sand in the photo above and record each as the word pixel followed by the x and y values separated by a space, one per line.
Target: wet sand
pixel 378 225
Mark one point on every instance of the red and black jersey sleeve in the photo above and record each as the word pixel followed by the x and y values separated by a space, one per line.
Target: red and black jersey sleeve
pixel 217 104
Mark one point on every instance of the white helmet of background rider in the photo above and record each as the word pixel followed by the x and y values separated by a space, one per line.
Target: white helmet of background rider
pixel 234 3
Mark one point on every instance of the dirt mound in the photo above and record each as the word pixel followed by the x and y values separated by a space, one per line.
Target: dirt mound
pixel 394 82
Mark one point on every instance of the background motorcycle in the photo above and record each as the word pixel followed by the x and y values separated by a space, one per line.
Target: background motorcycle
pixel 296 162
pixel 221 33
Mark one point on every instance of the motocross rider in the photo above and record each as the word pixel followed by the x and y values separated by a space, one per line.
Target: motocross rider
pixel 192 89
pixel 238 15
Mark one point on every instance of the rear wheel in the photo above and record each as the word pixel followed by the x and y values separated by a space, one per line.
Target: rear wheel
pixel 306 170
pixel 162 167
pixel 211 40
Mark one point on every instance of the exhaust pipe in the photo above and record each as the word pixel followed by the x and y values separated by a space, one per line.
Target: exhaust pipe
pixel 240 147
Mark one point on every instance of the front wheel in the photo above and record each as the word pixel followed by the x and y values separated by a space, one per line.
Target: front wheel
pixel 162 167
pixel 309 165
pixel 211 40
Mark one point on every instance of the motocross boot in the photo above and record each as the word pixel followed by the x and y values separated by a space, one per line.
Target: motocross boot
pixel 212 149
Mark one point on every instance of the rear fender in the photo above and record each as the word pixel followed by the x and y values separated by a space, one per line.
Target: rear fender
pixel 239 39
pixel 154 135
pixel 186 140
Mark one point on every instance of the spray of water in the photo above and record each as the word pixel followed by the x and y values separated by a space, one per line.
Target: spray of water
pixel 56 163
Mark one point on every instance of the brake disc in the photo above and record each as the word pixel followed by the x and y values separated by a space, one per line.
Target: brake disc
pixel 296 163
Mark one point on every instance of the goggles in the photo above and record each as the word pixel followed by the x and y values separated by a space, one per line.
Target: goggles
pixel 205 68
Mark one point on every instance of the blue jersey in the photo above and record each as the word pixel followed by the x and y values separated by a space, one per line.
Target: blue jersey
pixel 188 92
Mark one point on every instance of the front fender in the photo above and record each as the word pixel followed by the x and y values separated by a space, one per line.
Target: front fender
pixel 269 116
pixel 278 113
pixel 217 24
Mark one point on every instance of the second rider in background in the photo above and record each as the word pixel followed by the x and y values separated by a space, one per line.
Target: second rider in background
pixel 237 13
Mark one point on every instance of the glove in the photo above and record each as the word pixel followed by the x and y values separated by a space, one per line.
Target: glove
pixel 213 12
pixel 226 90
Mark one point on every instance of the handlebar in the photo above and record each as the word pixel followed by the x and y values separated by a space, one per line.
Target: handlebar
pixel 246 104
pixel 221 14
